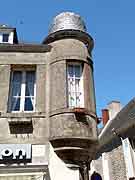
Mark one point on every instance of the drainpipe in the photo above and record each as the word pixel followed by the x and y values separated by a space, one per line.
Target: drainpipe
pixel 105 116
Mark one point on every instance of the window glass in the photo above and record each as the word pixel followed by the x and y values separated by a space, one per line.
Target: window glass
pixel 17 76
pixel 15 104
pixel 77 71
pixel 30 81
pixel 16 83
pixel 28 104
pixel 5 37
pixel 70 70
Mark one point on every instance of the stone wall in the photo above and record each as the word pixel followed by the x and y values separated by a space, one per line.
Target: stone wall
pixel 115 163
pixel 118 168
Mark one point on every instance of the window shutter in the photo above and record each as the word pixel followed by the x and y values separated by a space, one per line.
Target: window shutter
pixel 4 86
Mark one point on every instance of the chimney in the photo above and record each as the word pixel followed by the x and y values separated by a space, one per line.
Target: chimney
pixel 105 116
pixel 113 107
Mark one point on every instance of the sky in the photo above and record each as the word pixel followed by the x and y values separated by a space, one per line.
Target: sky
pixel 111 23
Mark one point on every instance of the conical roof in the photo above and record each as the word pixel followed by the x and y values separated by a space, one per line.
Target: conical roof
pixel 67 21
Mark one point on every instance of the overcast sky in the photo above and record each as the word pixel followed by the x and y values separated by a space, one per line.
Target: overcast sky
pixel 110 22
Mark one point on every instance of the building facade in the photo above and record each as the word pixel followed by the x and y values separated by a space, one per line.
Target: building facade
pixel 47 110
pixel 115 159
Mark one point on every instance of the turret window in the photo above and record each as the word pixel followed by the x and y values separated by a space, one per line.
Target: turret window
pixel 22 90
pixel 75 85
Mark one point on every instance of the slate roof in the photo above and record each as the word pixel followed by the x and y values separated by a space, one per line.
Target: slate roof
pixel 123 125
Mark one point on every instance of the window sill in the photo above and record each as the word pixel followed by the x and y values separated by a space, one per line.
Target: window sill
pixel 79 110
pixel 22 118
pixel 22 115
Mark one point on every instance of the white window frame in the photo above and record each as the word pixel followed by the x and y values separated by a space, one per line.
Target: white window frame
pixel 23 87
pixel 81 86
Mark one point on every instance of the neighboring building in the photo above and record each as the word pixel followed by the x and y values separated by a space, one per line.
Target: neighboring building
pixel 47 103
pixel 115 159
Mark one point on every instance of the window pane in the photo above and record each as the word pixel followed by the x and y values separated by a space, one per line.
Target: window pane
pixel 29 89
pixel 71 100
pixel 28 104
pixel 16 83
pixel 70 71
pixel 17 76
pixel 74 71
pixel 5 37
pixel 30 80
pixel 16 89
pixel 30 76
pixel 77 71
pixel 15 104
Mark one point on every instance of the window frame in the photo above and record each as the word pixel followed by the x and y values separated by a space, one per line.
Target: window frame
pixel 22 90
pixel 81 84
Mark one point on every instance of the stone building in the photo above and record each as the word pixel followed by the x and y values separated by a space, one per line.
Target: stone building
pixel 115 159
pixel 47 103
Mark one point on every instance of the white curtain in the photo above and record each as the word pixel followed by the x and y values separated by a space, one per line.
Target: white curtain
pixel 30 83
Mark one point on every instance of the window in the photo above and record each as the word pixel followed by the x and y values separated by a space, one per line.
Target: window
pixel 5 37
pixel 75 85
pixel 22 90
pixel 132 142
pixel 23 176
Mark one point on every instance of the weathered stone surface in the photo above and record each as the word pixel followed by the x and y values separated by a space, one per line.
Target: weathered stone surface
pixel 23 130
pixel 67 125
pixel 69 49
pixel 58 84
pixel 17 58
pixel 118 169
pixel 4 87
pixel 41 88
